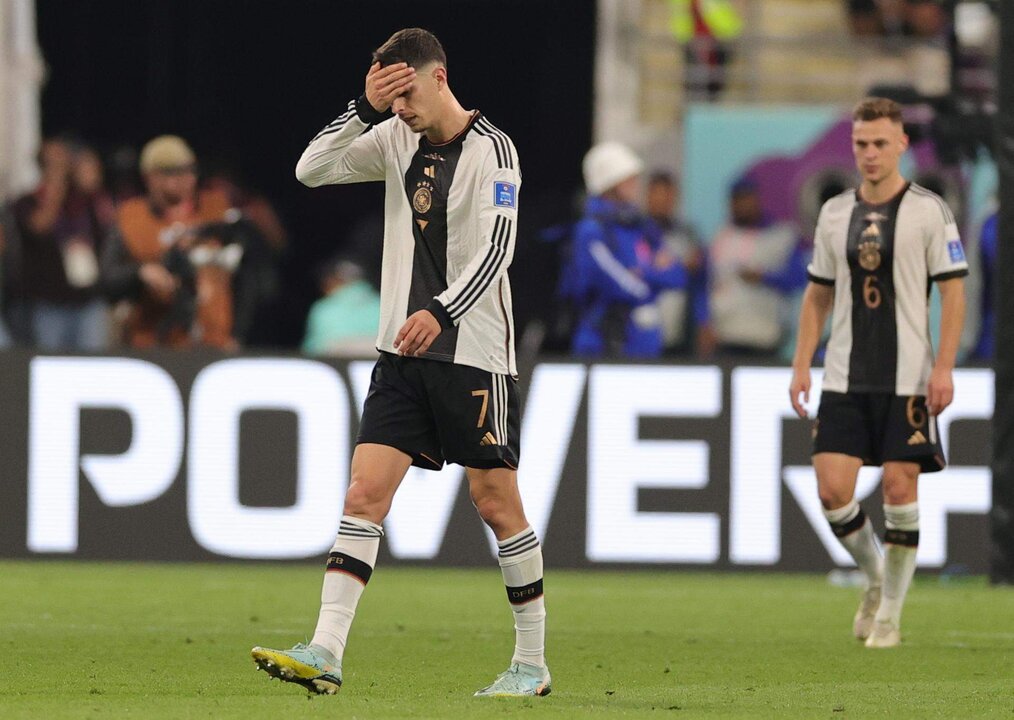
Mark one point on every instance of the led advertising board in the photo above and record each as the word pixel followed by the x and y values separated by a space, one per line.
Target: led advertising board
pixel 194 457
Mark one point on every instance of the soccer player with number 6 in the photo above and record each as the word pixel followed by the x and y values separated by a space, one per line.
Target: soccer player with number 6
pixel 444 388
pixel 877 249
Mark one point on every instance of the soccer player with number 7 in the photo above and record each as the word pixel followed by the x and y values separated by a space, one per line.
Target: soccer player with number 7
pixel 444 388
pixel 877 249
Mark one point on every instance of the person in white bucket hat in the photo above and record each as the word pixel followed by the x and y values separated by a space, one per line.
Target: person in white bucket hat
pixel 612 165
pixel 617 265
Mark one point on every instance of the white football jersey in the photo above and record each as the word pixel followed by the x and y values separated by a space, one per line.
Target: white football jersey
pixel 449 229
pixel 881 260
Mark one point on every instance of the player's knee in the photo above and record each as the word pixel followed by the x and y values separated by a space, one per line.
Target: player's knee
pixel 493 510
pixel 898 492
pixel 366 499
pixel 501 514
pixel 899 485
pixel 833 497
pixel 488 506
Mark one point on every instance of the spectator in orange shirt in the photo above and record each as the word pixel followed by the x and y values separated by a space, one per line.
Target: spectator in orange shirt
pixel 175 276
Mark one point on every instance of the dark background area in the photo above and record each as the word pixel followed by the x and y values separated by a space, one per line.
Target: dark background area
pixel 249 83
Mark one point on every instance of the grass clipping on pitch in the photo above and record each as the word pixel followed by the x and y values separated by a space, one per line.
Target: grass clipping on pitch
pixel 89 640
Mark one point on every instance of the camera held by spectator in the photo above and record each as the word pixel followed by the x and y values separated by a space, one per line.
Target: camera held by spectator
pixel 190 269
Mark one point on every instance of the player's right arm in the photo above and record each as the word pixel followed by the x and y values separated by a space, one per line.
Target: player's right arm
pixel 818 300
pixel 344 152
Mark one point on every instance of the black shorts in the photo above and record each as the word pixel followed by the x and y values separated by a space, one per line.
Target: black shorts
pixel 439 412
pixel 879 428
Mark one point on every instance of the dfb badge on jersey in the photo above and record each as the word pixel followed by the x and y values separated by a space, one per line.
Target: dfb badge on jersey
pixel 505 194
pixel 956 251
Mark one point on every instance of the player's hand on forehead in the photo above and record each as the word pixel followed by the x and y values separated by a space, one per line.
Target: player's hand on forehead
pixel 385 83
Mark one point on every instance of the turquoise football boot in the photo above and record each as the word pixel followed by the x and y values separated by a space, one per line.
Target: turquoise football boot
pixel 519 680
pixel 312 667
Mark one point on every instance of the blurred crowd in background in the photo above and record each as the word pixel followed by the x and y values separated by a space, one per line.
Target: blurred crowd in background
pixel 147 256
pixel 168 257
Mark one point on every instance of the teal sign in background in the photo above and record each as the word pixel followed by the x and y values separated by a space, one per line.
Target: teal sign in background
pixel 723 142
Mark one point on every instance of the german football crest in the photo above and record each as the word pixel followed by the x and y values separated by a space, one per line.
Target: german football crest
pixel 869 249
pixel 869 255
pixel 422 199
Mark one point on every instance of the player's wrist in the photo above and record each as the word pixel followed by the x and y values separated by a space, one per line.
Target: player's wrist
pixel 437 310
pixel 369 114
pixel 802 361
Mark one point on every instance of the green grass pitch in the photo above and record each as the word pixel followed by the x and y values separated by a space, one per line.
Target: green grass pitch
pixel 100 640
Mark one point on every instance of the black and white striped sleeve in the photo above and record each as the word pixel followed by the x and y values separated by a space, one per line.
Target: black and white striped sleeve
pixel 821 269
pixel 496 196
pixel 343 152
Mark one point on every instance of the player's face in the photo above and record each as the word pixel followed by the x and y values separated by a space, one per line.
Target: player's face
pixel 878 146
pixel 419 106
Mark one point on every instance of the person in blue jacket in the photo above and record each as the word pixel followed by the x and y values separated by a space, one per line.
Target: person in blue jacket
pixel 618 264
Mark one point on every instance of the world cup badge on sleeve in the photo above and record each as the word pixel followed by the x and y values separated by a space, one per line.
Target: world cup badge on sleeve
pixel 505 194
pixel 956 252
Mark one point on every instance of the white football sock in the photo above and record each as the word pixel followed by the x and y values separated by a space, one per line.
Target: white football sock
pixel 349 567
pixel 520 560
pixel 855 532
pixel 902 543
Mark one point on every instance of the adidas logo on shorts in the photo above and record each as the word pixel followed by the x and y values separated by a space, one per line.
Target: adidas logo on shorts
pixel 488 439
pixel 917 438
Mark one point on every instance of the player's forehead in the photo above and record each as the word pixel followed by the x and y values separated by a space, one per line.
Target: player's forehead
pixel 423 82
pixel 879 129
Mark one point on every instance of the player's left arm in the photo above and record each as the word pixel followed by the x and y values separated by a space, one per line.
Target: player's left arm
pixel 940 390
pixel 945 260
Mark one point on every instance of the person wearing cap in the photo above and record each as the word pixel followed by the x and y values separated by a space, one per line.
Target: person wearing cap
pixel 618 265
pixel 171 301
pixel 755 264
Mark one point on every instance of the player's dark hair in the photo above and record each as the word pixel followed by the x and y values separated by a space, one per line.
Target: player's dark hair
pixel 874 108
pixel 414 46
